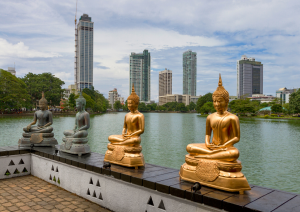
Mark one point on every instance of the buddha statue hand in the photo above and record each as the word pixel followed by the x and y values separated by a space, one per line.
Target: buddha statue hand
pixel 216 147
pixel 28 127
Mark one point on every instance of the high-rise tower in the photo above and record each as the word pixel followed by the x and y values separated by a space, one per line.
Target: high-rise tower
pixel 139 74
pixel 249 77
pixel 84 41
pixel 189 63
pixel 165 82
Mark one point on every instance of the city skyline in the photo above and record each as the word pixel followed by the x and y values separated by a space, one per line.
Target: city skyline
pixel 219 32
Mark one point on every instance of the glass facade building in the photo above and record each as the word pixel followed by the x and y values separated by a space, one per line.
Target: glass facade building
pixel 84 53
pixel 139 74
pixel 189 63
pixel 249 77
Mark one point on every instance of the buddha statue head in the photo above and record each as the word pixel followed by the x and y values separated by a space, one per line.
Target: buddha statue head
pixel 43 102
pixel 80 102
pixel 133 100
pixel 220 97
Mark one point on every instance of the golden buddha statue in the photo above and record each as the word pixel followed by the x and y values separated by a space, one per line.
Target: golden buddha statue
pixel 215 163
pixel 125 149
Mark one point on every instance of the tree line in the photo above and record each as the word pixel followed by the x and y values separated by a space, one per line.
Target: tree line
pixel 25 92
pixel 245 105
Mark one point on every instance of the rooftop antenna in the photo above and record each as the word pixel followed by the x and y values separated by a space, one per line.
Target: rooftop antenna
pixel 75 61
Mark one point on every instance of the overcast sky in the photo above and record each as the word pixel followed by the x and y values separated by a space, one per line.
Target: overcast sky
pixel 38 36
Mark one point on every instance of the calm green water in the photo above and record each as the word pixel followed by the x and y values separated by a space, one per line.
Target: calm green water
pixel 269 149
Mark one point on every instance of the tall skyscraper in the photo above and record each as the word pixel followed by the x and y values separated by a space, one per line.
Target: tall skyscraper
pixel 189 63
pixel 84 41
pixel 249 77
pixel 139 74
pixel 165 82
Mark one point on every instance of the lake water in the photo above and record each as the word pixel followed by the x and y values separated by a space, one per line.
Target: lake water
pixel 269 149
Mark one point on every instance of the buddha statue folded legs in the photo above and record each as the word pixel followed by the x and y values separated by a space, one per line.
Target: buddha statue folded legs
pixel 40 135
pixel 125 149
pixel 75 141
pixel 214 163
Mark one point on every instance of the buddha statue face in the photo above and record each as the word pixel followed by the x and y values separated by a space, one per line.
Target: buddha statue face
pixel 220 103
pixel 132 106
pixel 43 105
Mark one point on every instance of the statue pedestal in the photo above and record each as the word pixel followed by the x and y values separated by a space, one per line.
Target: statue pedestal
pixel 214 173
pixel 124 155
pixel 38 139
pixel 77 146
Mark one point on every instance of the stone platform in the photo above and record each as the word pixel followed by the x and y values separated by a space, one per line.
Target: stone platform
pixel 152 188
pixel 29 193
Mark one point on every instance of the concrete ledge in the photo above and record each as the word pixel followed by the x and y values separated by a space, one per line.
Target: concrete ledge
pixel 149 189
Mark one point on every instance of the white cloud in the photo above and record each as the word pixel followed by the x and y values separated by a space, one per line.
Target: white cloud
pixel 21 50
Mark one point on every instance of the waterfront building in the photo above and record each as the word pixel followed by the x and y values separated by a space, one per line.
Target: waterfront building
pixel 84 41
pixel 284 94
pixel 139 74
pixel 165 82
pixel 12 70
pixel 249 77
pixel 113 97
pixel 189 64
pixel 262 98
pixel 186 99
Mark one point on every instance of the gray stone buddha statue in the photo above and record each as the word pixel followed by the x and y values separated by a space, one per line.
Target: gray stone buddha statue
pixel 40 135
pixel 75 141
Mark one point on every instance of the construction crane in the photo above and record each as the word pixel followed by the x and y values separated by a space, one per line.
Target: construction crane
pixel 75 62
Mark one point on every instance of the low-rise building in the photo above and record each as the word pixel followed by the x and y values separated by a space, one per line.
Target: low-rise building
pixel 69 90
pixel 112 97
pixel 12 70
pixel 186 99
pixel 284 94
pixel 262 98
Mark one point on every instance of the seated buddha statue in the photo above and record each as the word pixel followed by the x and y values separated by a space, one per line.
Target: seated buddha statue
pixel 40 135
pixel 75 141
pixel 214 163
pixel 125 149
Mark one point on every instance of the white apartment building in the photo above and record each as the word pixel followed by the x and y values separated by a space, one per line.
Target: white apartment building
pixel 165 82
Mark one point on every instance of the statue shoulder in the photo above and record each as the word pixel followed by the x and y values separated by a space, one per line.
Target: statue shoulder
pixel 232 116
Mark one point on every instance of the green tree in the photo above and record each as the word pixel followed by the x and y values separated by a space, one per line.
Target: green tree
pixel 72 102
pixel 192 106
pixel 125 108
pixel 208 107
pixel 276 108
pixel 202 100
pixel 243 106
pixel 117 105
pixel 51 85
pixel 142 107
pixel 181 107
pixel 294 102
pixel 286 108
pixel 90 103
pixel 13 92
pixel 262 105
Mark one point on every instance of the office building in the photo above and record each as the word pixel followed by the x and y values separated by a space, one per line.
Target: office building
pixel 84 41
pixel 189 63
pixel 139 74
pixel 165 82
pixel 284 94
pixel 249 77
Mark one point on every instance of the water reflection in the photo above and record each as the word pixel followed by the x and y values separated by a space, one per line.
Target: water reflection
pixel 269 149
